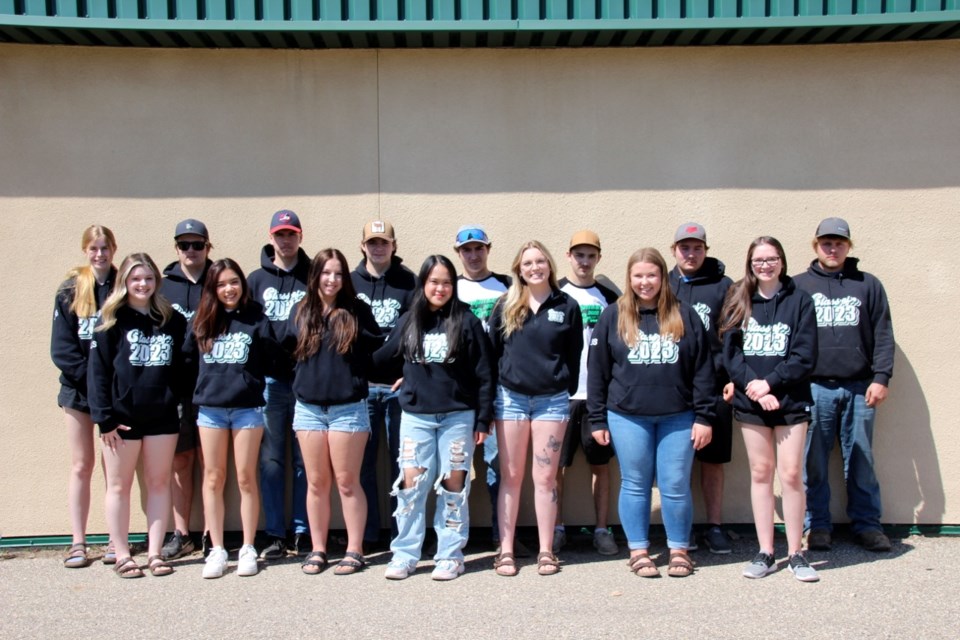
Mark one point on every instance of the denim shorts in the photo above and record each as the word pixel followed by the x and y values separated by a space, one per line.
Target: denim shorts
pixel 351 417
pixel 512 405
pixel 236 419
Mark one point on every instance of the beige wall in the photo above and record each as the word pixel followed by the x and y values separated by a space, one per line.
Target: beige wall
pixel 532 143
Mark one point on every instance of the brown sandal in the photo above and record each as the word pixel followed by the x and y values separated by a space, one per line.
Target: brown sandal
pixel 110 553
pixel 505 565
pixel 642 565
pixel 128 568
pixel 547 563
pixel 680 565
pixel 158 567
pixel 76 557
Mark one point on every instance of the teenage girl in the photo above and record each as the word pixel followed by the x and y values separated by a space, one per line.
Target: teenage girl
pixel 333 335
pixel 75 314
pixel 135 378
pixel 769 330
pixel 650 390
pixel 537 335
pixel 446 395
pixel 235 343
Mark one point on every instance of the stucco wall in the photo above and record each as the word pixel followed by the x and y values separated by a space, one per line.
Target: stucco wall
pixel 532 143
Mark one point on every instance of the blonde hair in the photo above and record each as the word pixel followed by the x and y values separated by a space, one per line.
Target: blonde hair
pixel 84 303
pixel 628 304
pixel 160 308
pixel 516 305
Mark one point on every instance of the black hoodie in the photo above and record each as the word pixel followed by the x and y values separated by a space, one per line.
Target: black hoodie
pixel 854 330
pixel 70 336
pixel 779 346
pixel 136 371
pixel 232 374
pixel 543 357
pixel 705 291
pixel 438 386
pixel 658 377
pixel 183 293
pixel 327 377
pixel 278 291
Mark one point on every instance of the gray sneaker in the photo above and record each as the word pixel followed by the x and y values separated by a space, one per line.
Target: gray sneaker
pixel 559 540
pixel 177 545
pixel 801 569
pixel 762 565
pixel 604 543
pixel 717 541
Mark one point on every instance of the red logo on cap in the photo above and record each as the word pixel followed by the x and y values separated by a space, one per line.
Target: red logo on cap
pixel 691 229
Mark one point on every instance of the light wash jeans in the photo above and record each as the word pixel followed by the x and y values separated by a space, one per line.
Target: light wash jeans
pixel 439 443
pixel 383 409
pixel 278 428
pixel 840 411
pixel 651 447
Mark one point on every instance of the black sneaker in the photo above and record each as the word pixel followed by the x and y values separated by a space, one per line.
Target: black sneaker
pixel 206 544
pixel 876 541
pixel 302 544
pixel 819 540
pixel 717 541
pixel 276 550
pixel 177 545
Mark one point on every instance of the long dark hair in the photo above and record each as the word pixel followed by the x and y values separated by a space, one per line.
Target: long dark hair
pixel 211 318
pixel 314 319
pixel 737 307
pixel 413 328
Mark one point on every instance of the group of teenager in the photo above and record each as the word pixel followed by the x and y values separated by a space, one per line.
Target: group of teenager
pixel 442 364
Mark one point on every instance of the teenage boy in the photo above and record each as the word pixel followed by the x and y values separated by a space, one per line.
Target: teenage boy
pixel 278 285
pixel 854 367
pixel 182 285
pixel 388 287
pixel 699 281
pixel 480 288
pixel 593 298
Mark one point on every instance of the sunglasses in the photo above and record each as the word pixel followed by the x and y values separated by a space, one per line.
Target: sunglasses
pixel 471 235
pixel 196 245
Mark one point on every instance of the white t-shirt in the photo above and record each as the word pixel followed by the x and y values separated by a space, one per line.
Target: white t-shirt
pixel 482 295
pixel 592 300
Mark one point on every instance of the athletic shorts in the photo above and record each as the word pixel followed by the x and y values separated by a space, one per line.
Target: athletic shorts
pixel 580 435
pixel 771 418
pixel 70 398
pixel 720 449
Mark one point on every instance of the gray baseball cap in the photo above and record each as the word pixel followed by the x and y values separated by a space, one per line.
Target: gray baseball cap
pixel 191 226
pixel 834 227
pixel 690 231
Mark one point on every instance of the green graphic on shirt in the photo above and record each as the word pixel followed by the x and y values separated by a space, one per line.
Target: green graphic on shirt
pixel 483 308
pixel 591 314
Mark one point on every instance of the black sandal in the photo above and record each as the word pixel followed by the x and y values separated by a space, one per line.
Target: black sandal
pixel 352 563
pixel 314 563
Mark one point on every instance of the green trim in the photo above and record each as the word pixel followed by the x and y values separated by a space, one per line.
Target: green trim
pixel 62 541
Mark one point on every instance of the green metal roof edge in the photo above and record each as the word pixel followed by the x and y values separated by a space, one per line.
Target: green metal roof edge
pixel 481 26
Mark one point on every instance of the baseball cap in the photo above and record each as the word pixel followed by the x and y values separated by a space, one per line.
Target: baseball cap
pixel 690 231
pixel 191 226
pixel 834 227
pixel 378 229
pixel 471 233
pixel 585 237
pixel 285 219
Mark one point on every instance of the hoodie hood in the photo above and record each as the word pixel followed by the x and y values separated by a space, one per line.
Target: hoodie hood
pixel 183 293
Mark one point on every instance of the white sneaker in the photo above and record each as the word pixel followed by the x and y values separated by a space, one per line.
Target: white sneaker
pixel 398 570
pixel 448 570
pixel 247 561
pixel 216 563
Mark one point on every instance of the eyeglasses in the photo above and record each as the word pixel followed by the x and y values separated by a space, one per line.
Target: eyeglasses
pixel 196 245
pixel 759 262
pixel 472 235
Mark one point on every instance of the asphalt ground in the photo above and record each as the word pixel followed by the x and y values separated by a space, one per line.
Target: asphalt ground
pixel 910 592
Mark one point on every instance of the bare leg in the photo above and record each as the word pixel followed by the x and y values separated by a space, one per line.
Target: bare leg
pixel 547 438
pixel 759 445
pixel 120 467
pixel 711 486
pixel 157 464
pixel 181 490
pixel 601 493
pixel 215 443
pixel 246 453
pixel 513 438
pixel 346 454
pixel 316 462
pixel 83 457
pixel 791 440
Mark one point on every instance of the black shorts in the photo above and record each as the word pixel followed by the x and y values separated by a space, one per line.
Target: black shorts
pixel 70 398
pixel 720 449
pixel 189 434
pixel 579 433
pixel 771 418
pixel 138 431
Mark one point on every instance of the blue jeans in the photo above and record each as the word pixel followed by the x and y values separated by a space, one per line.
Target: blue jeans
pixel 840 411
pixel 383 407
pixel 491 459
pixel 278 426
pixel 438 443
pixel 648 447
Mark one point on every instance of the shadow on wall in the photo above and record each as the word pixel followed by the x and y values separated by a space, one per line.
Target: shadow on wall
pixel 906 454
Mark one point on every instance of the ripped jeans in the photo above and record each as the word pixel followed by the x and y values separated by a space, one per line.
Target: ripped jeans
pixel 437 443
